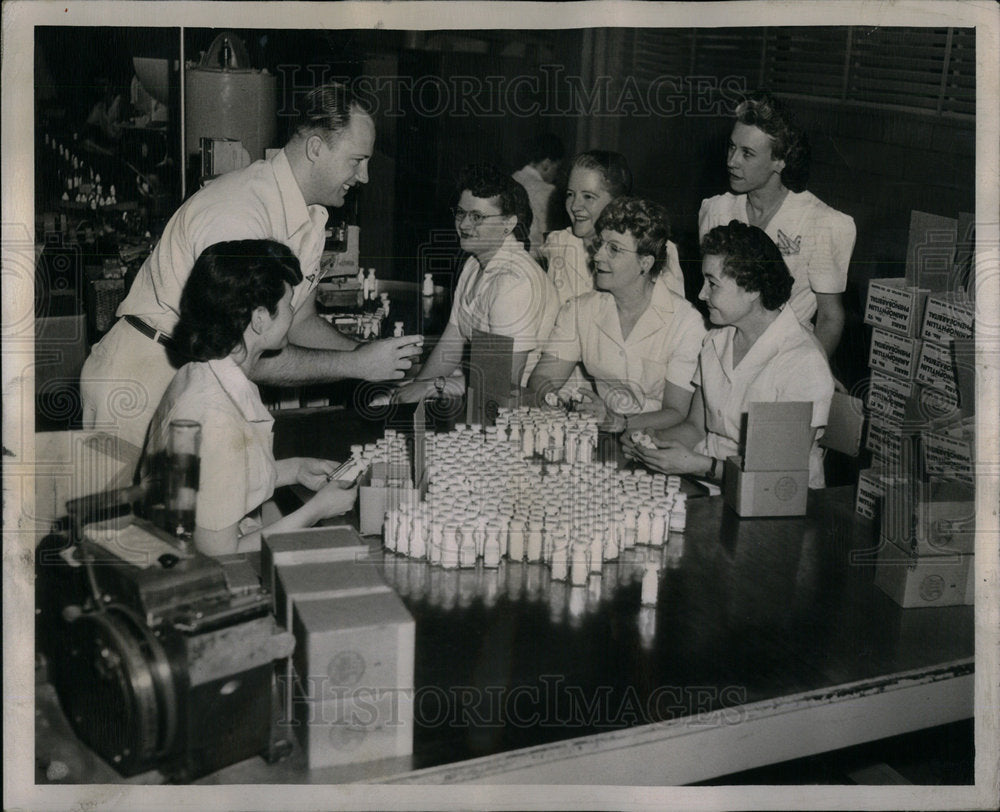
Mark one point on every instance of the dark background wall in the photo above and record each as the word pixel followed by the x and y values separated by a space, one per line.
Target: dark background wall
pixel 890 114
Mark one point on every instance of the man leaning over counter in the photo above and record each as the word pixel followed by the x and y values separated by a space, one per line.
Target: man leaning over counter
pixel 283 198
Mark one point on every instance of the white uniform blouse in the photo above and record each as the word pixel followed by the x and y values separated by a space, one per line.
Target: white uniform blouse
pixel 237 470
pixel 511 297
pixel 630 373
pixel 815 240
pixel 785 364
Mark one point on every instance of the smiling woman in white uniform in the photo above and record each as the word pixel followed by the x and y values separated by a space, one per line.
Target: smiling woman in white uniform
pixel 501 289
pixel 768 165
pixel 634 336
pixel 595 179
pixel 759 353
pixel 237 304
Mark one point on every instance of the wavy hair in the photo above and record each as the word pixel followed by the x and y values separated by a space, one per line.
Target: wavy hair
pixel 752 259
pixel 228 282
pixel 487 181
pixel 326 111
pixel 789 141
pixel 611 166
pixel 646 221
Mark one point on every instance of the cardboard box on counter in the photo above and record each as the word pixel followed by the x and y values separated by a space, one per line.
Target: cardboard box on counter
pixel 313 545
pixel 932 517
pixel 951 456
pixel 772 476
pixel 930 251
pixel 354 665
pixel 895 305
pixel 297 583
pixel 894 354
pixel 929 580
pixel 948 316
pixel 869 492
pixel 887 397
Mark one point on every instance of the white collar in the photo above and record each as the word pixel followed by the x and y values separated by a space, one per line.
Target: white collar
pixel 240 389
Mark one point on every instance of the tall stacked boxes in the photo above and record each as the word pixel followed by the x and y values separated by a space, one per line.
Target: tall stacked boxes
pixel 352 669
pixel 920 404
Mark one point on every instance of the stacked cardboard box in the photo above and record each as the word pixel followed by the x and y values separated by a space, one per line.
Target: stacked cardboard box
pixel 921 406
pixel 350 679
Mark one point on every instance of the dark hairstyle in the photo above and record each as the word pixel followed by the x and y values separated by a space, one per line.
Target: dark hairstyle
pixel 764 111
pixel 646 221
pixel 488 181
pixel 326 111
pixel 546 146
pixel 612 167
pixel 228 282
pixel 752 260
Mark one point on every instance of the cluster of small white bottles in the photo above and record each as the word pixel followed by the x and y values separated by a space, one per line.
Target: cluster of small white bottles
pixel 486 501
pixel 391 449
pixel 80 183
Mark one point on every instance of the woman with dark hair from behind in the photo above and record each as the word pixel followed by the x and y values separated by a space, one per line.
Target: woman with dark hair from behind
pixel 501 289
pixel 236 305
pixel 768 164
pixel 759 353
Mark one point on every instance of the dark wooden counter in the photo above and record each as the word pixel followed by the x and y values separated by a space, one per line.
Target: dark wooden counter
pixel 769 642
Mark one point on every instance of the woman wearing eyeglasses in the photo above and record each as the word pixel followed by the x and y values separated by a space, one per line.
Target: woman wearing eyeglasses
pixel 638 339
pixel 595 179
pixel 501 289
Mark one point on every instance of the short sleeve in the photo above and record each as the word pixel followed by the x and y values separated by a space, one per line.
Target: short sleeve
pixel 516 309
pixel 807 377
pixel 682 368
pixel 706 217
pixel 672 273
pixel 222 484
pixel 834 235
pixel 565 341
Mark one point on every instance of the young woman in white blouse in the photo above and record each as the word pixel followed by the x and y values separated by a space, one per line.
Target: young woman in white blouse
pixel 236 305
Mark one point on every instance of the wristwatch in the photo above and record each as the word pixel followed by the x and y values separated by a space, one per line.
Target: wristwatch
pixel 439 384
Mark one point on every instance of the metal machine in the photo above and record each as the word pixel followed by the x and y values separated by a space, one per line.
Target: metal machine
pixel 162 657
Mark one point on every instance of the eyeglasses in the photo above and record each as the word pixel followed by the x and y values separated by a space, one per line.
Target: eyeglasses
pixel 614 249
pixel 474 216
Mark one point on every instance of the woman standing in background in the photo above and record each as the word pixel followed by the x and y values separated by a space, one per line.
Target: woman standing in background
pixel 768 164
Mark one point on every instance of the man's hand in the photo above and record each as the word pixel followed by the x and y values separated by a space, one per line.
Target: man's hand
pixel 387 359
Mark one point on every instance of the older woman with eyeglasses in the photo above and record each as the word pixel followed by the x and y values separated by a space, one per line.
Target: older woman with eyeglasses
pixel 638 339
pixel 501 289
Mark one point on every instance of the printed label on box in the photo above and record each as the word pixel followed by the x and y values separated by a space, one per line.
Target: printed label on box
pixel 949 457
pixel 887 397
pixel 869 490
pixel 947 317
pixel 936 369
pixel 893 354
pixel 893 305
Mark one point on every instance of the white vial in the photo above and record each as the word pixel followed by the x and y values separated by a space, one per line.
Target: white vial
pixel 642 528
pixel 397 329
pixel 533 542
pixel 580 564
pixel 650 584
pixel 658 524
pixel 428 285
pixel 515 540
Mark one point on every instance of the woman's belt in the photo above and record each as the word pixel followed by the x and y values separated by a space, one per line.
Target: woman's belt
pixel 150 332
